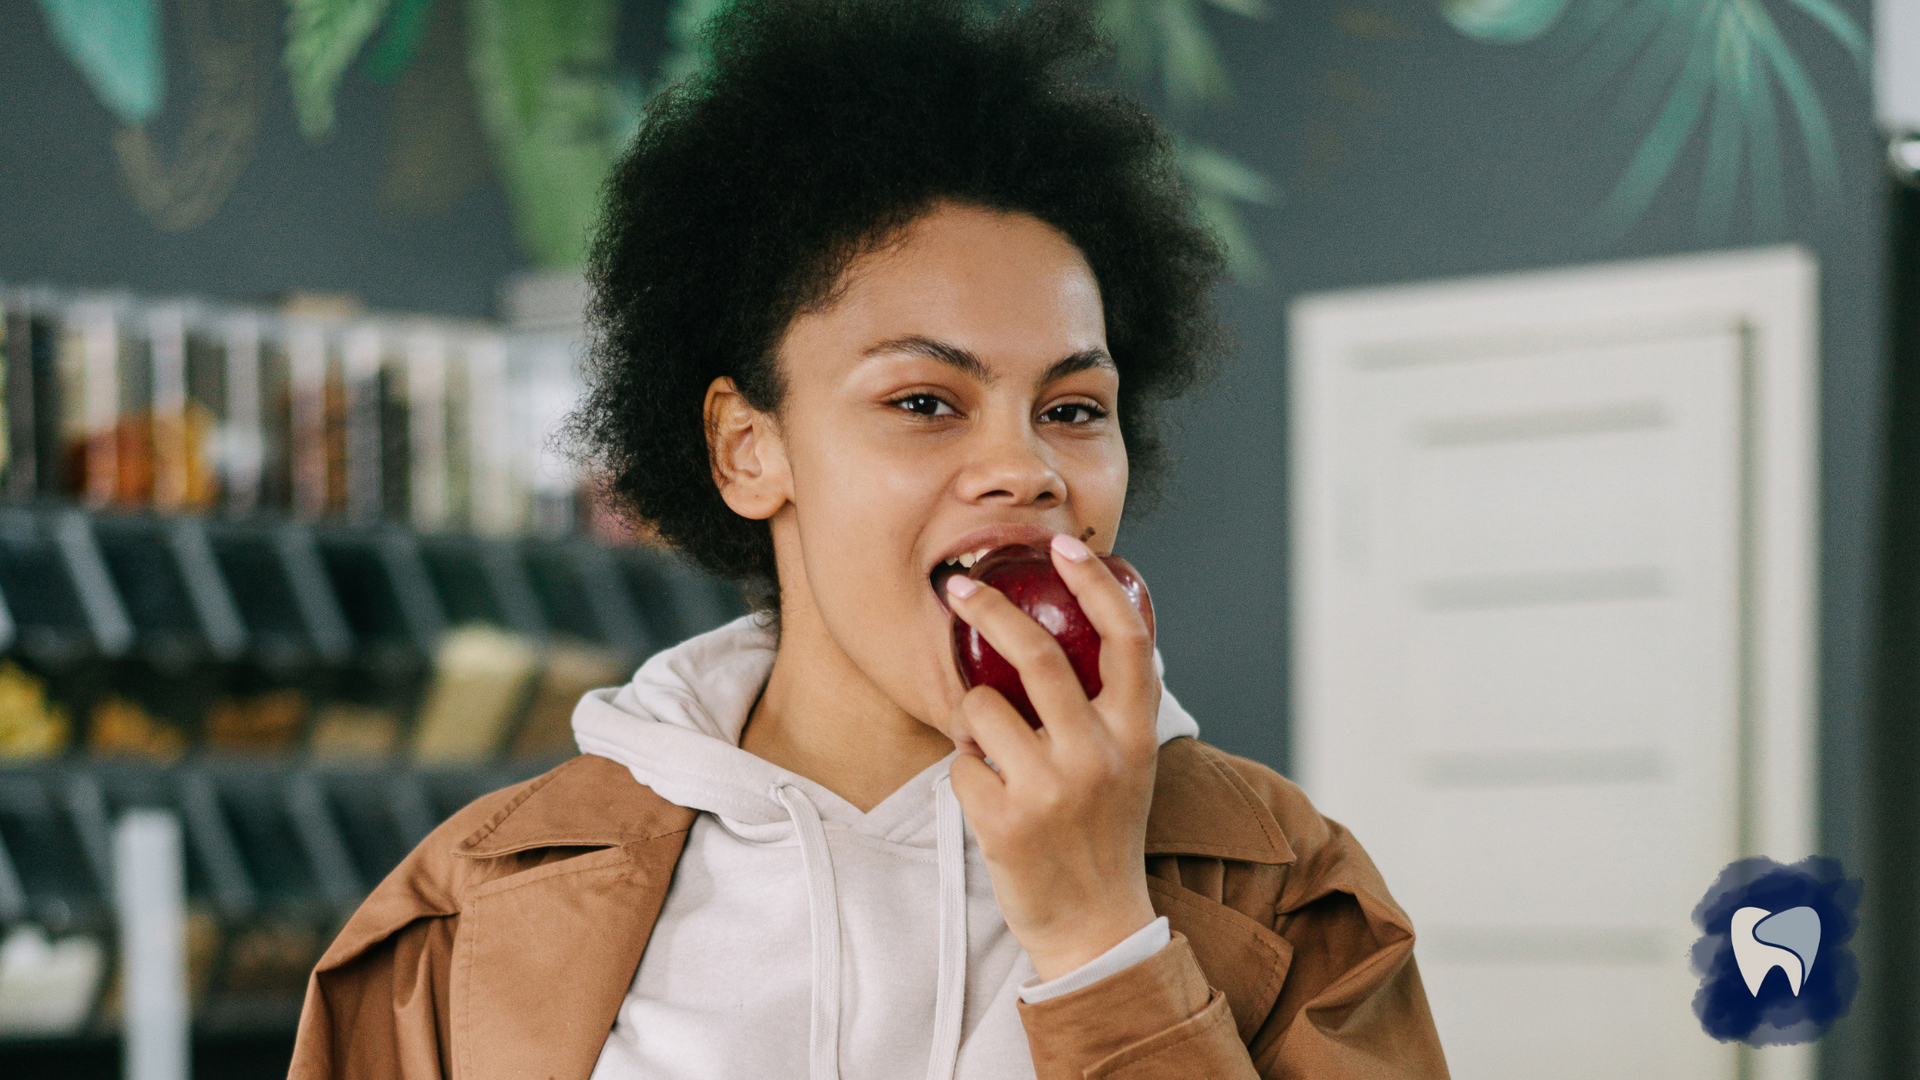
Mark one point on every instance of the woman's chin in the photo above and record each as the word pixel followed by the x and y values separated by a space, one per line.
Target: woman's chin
pixel 940 698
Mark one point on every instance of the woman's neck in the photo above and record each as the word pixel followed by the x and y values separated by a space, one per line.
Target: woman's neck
pixel 821 718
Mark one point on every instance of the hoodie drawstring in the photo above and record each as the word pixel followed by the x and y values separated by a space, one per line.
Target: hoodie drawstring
pixel 823 905
pixel 950 996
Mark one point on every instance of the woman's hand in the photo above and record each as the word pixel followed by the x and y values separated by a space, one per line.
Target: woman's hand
pixel 1063 822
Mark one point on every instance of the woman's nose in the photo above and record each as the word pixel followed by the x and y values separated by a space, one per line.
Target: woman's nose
pixel 1011 467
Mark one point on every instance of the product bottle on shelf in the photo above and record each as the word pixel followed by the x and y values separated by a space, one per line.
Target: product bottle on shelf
pixel 31 348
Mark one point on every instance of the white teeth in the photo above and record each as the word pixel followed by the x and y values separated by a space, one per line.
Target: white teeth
pixel 967 560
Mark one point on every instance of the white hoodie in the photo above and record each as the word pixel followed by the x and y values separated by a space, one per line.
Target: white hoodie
pixel 801 937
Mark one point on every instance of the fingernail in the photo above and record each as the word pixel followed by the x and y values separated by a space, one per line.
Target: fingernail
pixel 962 586
pixel 1070 549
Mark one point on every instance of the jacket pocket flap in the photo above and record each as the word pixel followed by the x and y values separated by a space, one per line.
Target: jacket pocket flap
pixel 1242 959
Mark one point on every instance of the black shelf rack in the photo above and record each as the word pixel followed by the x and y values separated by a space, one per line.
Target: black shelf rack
pixel 279 853
pixel 185 624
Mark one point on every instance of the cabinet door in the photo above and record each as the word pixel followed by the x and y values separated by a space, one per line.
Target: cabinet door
pixel 1534 519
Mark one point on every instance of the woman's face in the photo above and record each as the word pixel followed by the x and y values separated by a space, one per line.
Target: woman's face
pixel 954 396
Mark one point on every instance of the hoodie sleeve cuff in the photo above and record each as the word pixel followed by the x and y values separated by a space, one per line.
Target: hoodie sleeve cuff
pixel 1157 1019
pixel 1142 944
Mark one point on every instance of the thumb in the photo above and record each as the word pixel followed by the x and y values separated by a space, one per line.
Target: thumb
pixel 976 785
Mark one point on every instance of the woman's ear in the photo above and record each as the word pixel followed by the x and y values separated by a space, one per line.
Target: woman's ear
pixel 749 460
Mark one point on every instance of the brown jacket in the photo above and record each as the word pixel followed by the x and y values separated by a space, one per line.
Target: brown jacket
pixel 502 948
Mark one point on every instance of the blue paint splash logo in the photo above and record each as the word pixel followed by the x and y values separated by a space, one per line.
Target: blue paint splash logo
pixel 1773 964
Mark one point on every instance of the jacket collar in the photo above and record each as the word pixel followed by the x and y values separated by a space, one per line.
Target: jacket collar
pixel 588 802
pixel 1201 807
pixel 547 951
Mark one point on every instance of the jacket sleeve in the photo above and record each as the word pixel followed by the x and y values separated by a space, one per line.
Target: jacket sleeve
pixel 1352 1005
pixel 1158 1018
pixel 381 1015
pixel 1316 976
pixel 1351 1008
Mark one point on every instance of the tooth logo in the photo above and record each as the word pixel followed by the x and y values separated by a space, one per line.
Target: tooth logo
pixel 1764 940
pixel 1759 915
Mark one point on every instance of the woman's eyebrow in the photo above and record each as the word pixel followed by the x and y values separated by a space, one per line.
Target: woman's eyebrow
pixel 1080 361
pixel 959 358
pixel 934 349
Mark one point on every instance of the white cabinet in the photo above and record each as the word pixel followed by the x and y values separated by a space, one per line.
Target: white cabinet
pixel 1553 601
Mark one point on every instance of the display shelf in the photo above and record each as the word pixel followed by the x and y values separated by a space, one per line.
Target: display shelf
pixel 311 579
pixel 279 854
pixel 152 635
pixel 117 400
pixel 310 700
pixel 261 1056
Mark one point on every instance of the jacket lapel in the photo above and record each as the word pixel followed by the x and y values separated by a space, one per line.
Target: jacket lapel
pixel 556 946
pixel 1203 809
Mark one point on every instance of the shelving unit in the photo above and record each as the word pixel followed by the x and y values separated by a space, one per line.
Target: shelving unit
pixel 309 700
pixel 308 577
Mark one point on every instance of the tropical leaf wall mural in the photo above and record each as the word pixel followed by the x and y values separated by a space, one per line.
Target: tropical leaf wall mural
pixel 1506 21
pixel 437 152
pixel 181 168
pixel 1166 45
pixel 551 103
pixel 1221 185
pixel 684 22
pixel 554 104
pixel 116 46
pixel 1684 71
pixel 179 154
pixel 401 42
pixel 323 37
pixel 1168 41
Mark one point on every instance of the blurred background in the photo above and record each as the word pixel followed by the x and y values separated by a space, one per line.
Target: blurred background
pixel 1552 521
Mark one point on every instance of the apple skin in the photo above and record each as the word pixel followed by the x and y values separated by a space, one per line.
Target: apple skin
pixel 1027 577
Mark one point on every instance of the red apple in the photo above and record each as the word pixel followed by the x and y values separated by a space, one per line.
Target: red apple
pixel 1026 575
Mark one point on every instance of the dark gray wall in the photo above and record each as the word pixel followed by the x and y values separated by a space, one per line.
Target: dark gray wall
pixel 1409 152
pixel 1421 154
pixel 301 217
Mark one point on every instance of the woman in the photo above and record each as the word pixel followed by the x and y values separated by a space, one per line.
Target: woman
pixel 885 289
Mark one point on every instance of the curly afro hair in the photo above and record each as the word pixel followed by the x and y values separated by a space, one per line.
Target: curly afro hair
pixel 821 128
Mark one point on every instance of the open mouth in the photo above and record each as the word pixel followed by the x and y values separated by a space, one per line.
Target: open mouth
pixel 958 564
pixel 969 549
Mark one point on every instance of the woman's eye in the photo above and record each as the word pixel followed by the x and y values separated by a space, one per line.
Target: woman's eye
pixel 1073 413
pixel 925 405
